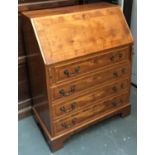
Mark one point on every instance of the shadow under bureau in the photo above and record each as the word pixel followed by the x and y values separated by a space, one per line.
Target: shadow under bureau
pixel 79 61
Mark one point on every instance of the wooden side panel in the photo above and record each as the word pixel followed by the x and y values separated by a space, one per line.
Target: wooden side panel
pixel 37 73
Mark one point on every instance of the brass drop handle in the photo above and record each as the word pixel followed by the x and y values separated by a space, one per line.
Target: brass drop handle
pixel 115 89
pixel 72 90
pixel 72 107
pixel 73 122
pixel 120 55
pixel 112 58
pixel 123 71
pixel 65 125
pixel 115 103
pixel 116 57
pixel 69 74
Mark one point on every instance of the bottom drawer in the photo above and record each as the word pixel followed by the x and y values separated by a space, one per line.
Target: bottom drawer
pixel 89 113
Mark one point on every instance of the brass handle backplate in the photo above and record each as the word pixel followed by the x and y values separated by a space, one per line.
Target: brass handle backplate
pixel 117 102
pixel 69 74
pixel 116 57
pixel 72 107
pixel 69 125
pixel 63 93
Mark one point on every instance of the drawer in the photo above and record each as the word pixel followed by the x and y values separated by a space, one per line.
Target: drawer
pixel 64 72
pixel 70 88
pixel 65 108
pixel 87 114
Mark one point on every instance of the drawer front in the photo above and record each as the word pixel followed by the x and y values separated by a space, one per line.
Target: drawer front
pixel 65 108
pixel 88 114
pixel 74 69
pixel 71 88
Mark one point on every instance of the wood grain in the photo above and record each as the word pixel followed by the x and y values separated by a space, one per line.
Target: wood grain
pixel 73 87
pixel 87 114
pixel 37 72
pixel 94 44
pixel 59 35
pixel 90 64
pixel 67 107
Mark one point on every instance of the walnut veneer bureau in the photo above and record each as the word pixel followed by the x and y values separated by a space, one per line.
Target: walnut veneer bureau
pixel 79 61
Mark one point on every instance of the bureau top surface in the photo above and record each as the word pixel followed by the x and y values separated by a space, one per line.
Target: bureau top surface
pixel 71 32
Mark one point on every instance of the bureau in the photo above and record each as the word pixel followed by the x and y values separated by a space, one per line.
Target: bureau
pixel 79 61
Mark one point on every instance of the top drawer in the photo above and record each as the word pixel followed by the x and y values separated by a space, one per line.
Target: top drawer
pixel 73 69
